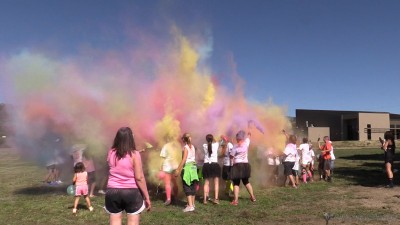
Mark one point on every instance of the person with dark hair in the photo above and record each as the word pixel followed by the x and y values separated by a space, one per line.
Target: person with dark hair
pixel 211 168
pixel 241 169
pixel 389 146
pixel 81 186
pixel 126 187
pixel 189 175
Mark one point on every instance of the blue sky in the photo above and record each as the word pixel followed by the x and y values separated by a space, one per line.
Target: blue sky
pixel 335 55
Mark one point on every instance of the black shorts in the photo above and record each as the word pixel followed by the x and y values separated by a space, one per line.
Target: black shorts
pixel 129 200
pixel 211 170
pixel 288 168
pixel 91 177
pixel 240 171
pixel 389 156
pixel 327 164
pixel 226 170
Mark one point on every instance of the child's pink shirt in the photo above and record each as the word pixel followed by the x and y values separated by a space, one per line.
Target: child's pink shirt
pixel 121 174
pixel 81 179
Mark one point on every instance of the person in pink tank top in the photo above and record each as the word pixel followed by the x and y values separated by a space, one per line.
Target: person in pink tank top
pixel 126 186
pixel 81 186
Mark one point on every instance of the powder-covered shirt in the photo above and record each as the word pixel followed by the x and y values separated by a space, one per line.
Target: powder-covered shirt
pixel 305 153
pixel 290 152
pixel 89 164
pixel 227 160
pixel 214 153
pixel 121 173
pixel 81 179
pixel 167 152
pixel 239 152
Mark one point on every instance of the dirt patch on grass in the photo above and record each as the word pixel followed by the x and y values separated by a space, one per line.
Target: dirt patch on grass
pixel 377 197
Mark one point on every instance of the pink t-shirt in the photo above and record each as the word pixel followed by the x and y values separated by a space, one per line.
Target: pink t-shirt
pixel 239 152
pixel 81 179
pixel 121 174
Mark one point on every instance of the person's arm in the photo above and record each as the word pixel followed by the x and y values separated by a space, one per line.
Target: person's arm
pixel 140 179
pixel 74 179
pixel 182 163
pixel 385 144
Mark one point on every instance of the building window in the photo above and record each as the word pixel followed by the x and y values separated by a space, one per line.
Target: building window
pixel 369 131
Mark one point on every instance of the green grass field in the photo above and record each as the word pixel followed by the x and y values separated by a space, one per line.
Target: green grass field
pixel 353 198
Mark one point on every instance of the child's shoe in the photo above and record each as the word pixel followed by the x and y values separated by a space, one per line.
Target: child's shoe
pixel 74 211
pixel 90 208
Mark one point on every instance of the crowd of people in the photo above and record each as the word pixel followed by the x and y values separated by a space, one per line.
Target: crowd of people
pixel 125 184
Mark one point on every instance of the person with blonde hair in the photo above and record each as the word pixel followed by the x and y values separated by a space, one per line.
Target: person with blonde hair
pixel 241 169
pixel 189 175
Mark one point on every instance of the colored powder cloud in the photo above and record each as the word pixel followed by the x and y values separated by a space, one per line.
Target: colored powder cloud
pixel 160 89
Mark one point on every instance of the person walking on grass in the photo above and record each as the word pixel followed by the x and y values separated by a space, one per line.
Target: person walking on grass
pixel 211 168
pixel 189 175
pixel 126 187
pixel 80 180
pixel 241 169
pixel 389 147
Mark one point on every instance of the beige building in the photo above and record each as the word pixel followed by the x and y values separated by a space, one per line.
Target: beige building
pixel 346 125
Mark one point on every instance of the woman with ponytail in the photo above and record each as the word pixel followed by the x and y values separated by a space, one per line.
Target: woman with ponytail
pixel 211 168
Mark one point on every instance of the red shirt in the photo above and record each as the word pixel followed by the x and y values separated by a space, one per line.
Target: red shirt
pixel 327 146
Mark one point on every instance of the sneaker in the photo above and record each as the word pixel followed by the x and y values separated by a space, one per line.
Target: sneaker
pixel 216 201
pixel 59 182
pixel 235 203
pixel 168 202
pixel 188 209
pixel 74 211
pixel 389 186
pixel 90 208
pixel 102 192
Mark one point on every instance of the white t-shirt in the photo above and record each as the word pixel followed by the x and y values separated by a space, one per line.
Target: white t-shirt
pixel 227 160
pixel 214 153
pixel 239 152
pixel 305 153
pixel 290 152
pixel 191 157
pixel 170 163
pixel 332 155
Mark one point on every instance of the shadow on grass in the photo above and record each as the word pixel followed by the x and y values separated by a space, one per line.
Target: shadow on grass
pixel 378 157
pixel 370 172
pixel 43 190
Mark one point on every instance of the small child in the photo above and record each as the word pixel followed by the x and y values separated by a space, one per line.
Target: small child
pixel 80 181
